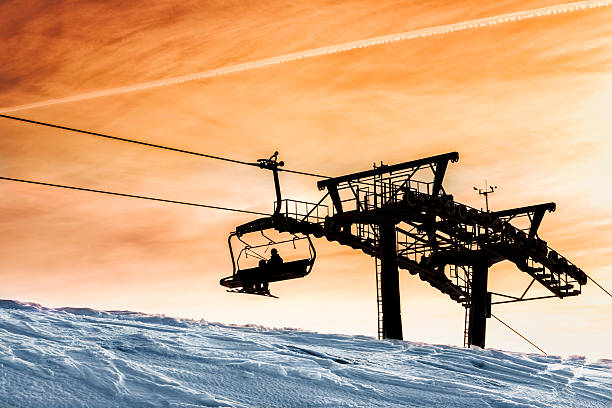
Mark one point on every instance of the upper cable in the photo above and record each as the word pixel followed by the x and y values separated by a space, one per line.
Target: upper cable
pixel 157 146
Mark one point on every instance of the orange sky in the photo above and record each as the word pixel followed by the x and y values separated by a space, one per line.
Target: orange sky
pixel 527 104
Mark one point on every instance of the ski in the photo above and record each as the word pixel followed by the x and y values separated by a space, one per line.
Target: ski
pixel 268 294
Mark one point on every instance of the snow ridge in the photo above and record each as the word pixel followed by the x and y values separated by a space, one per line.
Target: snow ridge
pixel 75 357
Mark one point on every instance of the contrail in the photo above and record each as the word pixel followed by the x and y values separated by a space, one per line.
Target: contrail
pixel 332 49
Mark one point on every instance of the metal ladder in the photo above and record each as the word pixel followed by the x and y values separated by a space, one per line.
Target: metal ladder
pixel 379 299
pixel 454 274
pixel 466 327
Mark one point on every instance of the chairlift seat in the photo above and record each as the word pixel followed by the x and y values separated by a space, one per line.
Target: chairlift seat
pixel 285 271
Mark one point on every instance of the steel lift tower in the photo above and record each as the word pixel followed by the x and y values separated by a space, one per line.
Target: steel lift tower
pixel 402 216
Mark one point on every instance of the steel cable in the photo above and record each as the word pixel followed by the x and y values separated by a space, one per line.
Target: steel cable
pixel 523 337
pixel 157 146
pixel 215 207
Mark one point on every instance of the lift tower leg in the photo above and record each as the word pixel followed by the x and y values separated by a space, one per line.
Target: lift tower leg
pixel 480 308
pixel 389 283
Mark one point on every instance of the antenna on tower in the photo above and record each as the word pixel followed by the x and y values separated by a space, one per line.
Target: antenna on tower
pixel 485 192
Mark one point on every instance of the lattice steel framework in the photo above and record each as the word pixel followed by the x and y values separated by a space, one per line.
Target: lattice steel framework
pixel 402 216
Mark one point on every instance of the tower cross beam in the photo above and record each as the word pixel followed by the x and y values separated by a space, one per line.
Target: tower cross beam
pixel 453 156
pixel 535 212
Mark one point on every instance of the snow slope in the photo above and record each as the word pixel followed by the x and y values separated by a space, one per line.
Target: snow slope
pixel 86 358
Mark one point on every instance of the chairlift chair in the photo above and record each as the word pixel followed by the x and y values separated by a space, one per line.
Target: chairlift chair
pixel 243 279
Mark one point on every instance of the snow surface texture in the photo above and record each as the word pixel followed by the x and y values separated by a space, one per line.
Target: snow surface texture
pixel 85 358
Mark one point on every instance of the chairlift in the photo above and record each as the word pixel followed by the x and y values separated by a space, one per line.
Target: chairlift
pixel 253 280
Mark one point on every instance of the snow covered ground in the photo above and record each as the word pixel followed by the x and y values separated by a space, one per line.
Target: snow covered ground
pixel 86 358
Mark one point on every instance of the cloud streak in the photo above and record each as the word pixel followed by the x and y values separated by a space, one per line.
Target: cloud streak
pixel 327 50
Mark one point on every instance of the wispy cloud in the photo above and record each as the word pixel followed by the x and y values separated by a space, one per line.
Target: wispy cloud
pixel 480 23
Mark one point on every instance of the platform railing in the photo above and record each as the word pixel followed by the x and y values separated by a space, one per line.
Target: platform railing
pixel 363 196
pixel 304 211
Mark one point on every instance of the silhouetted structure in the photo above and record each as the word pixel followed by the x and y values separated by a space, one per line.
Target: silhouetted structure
pixel 402 216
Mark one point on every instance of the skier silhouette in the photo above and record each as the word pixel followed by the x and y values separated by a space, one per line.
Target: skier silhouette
pixel 262 277
pixel 271 267
pixel 275 261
